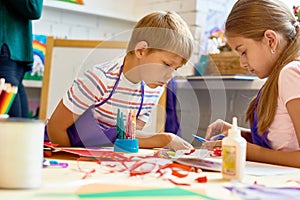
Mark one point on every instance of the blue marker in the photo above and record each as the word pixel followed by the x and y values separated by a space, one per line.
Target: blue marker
pixel 214 138
pixel 217 137
pixel 54 163
pixel 200 139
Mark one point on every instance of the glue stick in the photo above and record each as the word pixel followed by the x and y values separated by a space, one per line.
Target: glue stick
pixel 233 153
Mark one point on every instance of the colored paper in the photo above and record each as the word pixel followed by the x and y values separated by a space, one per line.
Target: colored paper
pixel 73 1
pixel 159 193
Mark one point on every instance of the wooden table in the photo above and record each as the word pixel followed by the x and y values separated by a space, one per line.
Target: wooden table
pixel 65 183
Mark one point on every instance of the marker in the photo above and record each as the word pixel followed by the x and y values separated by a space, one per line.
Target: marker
pixel 200 139
pixel 55 163
pixel 217 137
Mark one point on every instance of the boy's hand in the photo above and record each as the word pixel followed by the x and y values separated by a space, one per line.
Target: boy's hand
pixel 177 143
pixel 162 140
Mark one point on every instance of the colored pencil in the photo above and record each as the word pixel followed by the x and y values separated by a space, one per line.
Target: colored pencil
pixel 2 82
pixel 7 97
pixel 4 97
pixel 12 96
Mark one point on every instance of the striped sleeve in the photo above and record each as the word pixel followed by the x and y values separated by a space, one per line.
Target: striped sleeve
pixel 86 90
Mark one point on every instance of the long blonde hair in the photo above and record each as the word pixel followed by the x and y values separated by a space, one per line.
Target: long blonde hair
pixel 163 30
pixel 250 19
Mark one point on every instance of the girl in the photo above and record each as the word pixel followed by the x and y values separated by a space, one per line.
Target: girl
pixel 265 33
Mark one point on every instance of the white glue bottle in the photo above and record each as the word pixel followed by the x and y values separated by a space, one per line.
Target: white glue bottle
pixel 233 153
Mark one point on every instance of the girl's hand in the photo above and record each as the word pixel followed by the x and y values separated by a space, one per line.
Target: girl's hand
pixel 216 128
pixel 210 145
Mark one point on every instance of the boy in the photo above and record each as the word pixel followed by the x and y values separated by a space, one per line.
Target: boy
pixel 160 43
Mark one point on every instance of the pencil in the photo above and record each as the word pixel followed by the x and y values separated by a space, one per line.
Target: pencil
pixel 11 99
pixel 4 97
pixel 2 82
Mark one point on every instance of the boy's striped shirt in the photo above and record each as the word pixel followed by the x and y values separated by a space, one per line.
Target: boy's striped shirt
pixel 95 86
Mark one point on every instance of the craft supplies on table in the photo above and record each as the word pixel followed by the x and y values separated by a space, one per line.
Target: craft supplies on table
pixel 103 173
pixel 233 153
pixel 126 141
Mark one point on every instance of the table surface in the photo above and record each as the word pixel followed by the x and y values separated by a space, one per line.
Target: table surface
pixel 66 183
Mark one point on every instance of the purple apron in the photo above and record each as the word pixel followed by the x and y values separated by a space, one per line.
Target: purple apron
pixel 86 131
pixel 260 140
pixel 172 124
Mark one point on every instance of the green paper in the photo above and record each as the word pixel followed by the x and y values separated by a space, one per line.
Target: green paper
pixel 165 192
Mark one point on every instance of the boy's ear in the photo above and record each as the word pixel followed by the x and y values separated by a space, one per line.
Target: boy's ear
pixel 140 48
pixel 271 38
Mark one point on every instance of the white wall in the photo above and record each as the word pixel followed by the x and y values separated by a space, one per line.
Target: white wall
pixel 292 3
pixel 106 20
pixel 78 24
pixel 103 20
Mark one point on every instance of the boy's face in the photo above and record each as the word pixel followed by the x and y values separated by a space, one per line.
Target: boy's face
pixel 157 67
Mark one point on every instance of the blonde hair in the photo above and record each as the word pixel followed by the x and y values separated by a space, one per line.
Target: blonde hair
pixel 163 31
pixel 250 19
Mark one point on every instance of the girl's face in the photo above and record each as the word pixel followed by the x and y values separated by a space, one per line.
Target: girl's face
pixel 255 56
pixel 156 68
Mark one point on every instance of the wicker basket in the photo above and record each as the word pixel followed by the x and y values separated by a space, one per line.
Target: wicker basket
pixel 224 63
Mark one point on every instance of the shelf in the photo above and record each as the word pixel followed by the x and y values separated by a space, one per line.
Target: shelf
pixel 32 84
pixel 232 82
pixel 96 10
pixel 223 77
